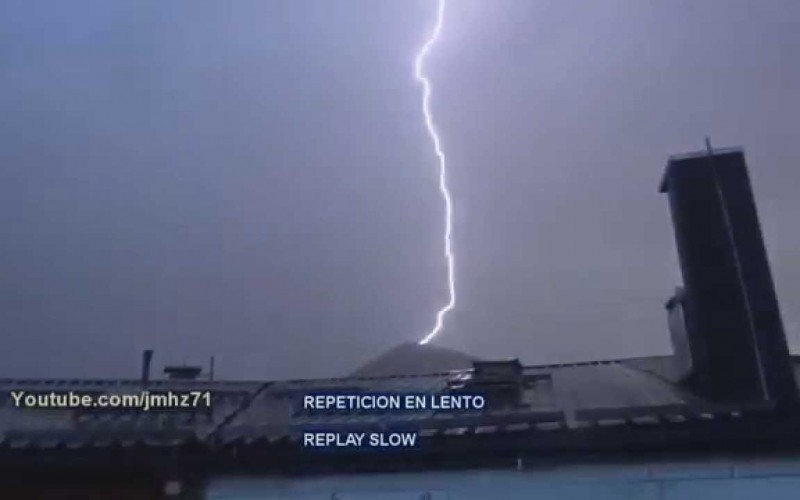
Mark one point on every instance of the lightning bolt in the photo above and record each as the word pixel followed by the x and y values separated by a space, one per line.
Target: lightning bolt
pixel 448 203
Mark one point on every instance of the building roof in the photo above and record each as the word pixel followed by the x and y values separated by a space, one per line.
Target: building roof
pixel 560 397
pixel 692 156
pixel 566 398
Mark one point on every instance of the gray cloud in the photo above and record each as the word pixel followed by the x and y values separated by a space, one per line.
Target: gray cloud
pixel 253 179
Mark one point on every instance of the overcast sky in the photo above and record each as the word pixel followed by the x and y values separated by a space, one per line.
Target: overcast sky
pixel 253 180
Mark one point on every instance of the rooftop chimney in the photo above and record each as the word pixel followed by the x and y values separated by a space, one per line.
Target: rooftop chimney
pixel 736 343
pixel 147 358
pixel 501 382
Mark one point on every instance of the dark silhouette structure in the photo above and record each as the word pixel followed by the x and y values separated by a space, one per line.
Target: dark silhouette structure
pixel 735 334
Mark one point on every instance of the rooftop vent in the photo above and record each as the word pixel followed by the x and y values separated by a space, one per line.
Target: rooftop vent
pixel 676 320
pixel 494 372
pixel 501 382
pixel 182 372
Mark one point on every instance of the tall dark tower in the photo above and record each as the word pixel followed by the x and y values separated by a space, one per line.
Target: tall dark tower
pixel 733 324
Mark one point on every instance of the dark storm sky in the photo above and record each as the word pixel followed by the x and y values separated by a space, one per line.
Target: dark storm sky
pixel 252 179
